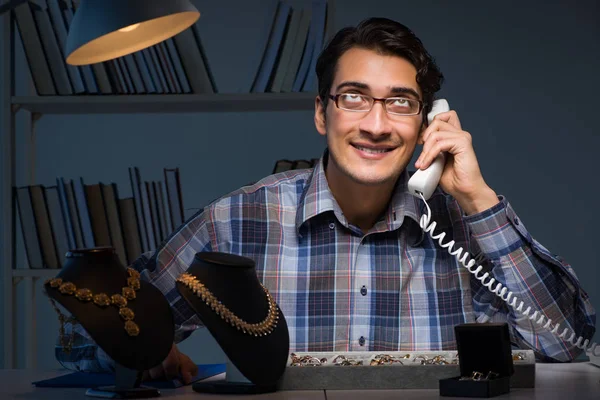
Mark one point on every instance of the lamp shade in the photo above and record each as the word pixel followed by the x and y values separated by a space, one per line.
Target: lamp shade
pixel 105 29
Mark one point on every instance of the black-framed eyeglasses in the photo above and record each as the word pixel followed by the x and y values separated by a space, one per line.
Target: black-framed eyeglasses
pixel 363 103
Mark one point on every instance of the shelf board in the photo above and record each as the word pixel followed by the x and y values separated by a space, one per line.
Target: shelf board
pixel 35 273
pixel 170 103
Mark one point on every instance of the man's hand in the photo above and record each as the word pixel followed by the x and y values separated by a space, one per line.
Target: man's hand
pixel 176 365
pixel 461 177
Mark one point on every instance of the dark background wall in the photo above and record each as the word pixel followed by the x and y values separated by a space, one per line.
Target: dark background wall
pixel 521 75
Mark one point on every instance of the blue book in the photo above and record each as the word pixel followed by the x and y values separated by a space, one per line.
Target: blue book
pixel 144 72
pixel 34 52
pixel 60 29
pixel 270 56
pixel 159 69
pixel 311 42
pixel 193 62
pixel 264 40
pixel 86 70
pixel 134 73
pixel 319 14
pixel 94 379
pixel 152 69
pixel 163 53
pixel 84 215
pixel 62 196
pixel 176 61
pixel 125 72
pixel 208 72
pixel 58 67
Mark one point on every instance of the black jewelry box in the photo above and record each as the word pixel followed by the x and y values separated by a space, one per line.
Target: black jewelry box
pixel 484 353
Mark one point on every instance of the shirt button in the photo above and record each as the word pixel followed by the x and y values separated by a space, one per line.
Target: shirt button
pixel 361 341
pixel 516 221
pixel 363 290
pixel 332 226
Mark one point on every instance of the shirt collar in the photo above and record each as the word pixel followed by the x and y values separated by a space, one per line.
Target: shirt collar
pixel 317 199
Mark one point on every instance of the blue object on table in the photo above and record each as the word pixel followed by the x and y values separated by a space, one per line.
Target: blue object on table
pixel 93 380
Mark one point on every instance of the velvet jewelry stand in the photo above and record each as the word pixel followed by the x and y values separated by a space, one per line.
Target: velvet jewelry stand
pixel 483 348
pixel 255 363
pixel 99 270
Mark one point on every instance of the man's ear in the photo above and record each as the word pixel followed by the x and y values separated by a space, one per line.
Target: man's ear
pixel 320 116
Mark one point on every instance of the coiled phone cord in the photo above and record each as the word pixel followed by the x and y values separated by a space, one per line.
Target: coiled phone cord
pixel 500 290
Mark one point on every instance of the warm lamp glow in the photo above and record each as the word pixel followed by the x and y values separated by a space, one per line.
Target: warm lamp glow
pixel 106 29
pixel 129 28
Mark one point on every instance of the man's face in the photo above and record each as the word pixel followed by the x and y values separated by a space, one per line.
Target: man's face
pixel 370 147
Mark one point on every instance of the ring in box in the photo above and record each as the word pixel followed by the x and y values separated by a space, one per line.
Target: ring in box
pixel 486 362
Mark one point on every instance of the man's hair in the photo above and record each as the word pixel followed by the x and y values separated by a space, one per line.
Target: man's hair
pixel 386 37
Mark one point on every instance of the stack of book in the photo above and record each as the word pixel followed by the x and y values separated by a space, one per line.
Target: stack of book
pixel 175 66
pixel 72 214
pixel 286 165
pixel 291 47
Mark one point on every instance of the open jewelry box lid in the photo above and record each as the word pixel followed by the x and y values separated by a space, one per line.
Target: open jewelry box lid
pixel 484 347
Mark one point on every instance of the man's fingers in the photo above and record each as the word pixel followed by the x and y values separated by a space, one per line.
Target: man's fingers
pixel 427 157
pixel 156 372
pixel 450 117
pixel 146 375
pixel 438 125
pixel 176 364
pixel 171 365
pixel 171 369
pixel 186 377
pixel 188 368
pixel 431 149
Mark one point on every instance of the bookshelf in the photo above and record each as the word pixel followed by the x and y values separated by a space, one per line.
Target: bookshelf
pixel 34 273
pixel 37 106
pixel 171 103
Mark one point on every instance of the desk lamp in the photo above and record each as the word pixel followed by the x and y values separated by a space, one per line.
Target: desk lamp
pixel 106 29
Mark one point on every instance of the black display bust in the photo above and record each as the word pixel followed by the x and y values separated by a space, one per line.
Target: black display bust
pixel 232 281
pixel 99 271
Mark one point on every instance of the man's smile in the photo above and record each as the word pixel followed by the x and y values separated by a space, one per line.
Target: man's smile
pixel 371 151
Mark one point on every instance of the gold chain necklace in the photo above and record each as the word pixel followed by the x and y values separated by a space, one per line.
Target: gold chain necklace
pixel 103 300
pixel 262 328
pixel 63 319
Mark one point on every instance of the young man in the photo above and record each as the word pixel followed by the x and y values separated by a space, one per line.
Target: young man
pixel 339 246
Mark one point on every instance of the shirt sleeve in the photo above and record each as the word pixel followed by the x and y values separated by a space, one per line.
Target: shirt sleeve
pixel 535 277
pixel 174 258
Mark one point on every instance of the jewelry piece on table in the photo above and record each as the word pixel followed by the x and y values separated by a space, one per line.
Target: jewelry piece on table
pixel 344 361
pixel 263 328
pixel 492 375
pixel 306 360
pixel 478 376
pixel 102 300
pixel 385 359
pixel 423 358
pixel 439 360
pixel 63 319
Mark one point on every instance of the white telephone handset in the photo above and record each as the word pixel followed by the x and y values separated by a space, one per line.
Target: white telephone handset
pixel 424 181
pixel 422 184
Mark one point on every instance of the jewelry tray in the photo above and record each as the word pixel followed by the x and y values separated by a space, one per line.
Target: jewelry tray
pixel 411 375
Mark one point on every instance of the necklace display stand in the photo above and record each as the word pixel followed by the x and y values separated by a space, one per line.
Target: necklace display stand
pixel 127 317
pixel 234 383
pixel 243 317
pixel 127 386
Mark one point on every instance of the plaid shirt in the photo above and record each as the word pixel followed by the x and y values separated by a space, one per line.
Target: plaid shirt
pixel 391 288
